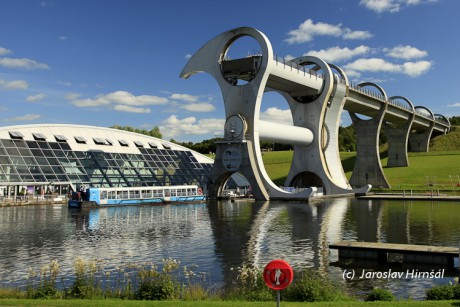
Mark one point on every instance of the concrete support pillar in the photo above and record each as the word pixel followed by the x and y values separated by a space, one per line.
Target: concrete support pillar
pixel 234 157
pixel 420 141
pixel 368 167
pixel 398 137
pixel 397 145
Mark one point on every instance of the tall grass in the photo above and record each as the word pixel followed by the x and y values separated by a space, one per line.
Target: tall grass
pixel 146 281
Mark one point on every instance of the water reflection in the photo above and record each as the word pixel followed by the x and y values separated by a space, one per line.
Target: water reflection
pixel 221 235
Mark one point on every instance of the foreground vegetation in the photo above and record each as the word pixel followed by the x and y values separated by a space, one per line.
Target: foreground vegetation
pixel 134 284
pixel 113 302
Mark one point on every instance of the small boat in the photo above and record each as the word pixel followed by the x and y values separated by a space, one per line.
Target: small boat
pixel 122 196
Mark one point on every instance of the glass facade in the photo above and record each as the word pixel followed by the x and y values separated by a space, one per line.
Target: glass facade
pixel 41 160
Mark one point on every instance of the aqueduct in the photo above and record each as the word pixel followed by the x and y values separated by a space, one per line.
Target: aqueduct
pixel 316 92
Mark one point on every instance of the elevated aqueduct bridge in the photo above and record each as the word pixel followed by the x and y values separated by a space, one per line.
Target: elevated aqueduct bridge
pixel 316 92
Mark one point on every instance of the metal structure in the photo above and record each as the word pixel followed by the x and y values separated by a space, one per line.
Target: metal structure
pixel 317 92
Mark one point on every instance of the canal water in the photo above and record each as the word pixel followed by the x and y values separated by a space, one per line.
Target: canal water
pixel 218 237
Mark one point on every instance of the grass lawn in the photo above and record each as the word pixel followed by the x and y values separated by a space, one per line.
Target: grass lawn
pixel 112 303
pixel 442 169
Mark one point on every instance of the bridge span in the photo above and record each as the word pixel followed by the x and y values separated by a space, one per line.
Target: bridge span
pixel 316 92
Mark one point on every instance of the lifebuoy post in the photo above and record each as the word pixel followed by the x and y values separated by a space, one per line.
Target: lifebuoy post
pixel 278 274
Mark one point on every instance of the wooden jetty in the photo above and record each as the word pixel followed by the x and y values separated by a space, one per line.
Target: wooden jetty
pixel 440 255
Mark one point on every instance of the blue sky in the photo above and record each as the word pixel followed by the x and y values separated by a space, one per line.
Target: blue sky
pixel 107 62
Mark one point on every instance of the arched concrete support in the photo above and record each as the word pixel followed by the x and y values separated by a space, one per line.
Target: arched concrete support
pixel 398 137
pixel 242 109
pixel 368 167
pixel 441 117
pixel 321 159
pixel 234 157
pixel 420 140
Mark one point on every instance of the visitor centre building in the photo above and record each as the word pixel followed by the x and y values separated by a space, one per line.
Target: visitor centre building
pixel 54 159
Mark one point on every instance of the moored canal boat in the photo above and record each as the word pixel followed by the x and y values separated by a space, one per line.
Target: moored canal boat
pixel 122 196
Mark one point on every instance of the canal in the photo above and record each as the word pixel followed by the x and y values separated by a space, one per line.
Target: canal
pixel 217 237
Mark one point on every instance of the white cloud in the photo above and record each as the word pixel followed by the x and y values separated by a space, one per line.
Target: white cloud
pixel 26 117
pixel 277 115
pixel 412 69
pixel 14 85
pixel 62 38
pixel 191 103
pixel 199 107
pixel 120 101
pixel 308 30
pixel 34 98
pixel 26 64
pixel 184 97
pixel 391 6
pixel 455 105
pixel 72 96
pixel 381 6
pixel 131 109
pixel 373 65
pixel 4 51
pixel 336 54
pixel 405 52
pixel 349 34
pixel 173 127
pixel 415 69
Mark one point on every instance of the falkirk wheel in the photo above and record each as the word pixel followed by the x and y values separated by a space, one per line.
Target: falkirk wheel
pixel 315 92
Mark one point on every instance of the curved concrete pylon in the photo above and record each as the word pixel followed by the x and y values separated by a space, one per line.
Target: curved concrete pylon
pixel 420 140
pixel 398 138
pixel 240 150
pixel 319 163
pixel 368 167
pixel 445 119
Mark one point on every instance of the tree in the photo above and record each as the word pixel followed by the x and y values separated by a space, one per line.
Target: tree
pixel 154 132
pixel 455 120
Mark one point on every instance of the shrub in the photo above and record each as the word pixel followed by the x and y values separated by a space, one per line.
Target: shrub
pixel 46 288
pixel 249 285
pixel 380 295
pixel 156 285
pixel 157 289
pixel 310 286
pixel 86 284
pixel 444 292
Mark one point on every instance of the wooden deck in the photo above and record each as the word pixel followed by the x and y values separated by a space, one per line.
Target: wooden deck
pixel 411 253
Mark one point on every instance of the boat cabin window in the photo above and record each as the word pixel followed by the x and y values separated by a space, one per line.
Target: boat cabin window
pixel 147 194
pixel 112 195
pixel 134 194
pixel 158 193
pixel 103 195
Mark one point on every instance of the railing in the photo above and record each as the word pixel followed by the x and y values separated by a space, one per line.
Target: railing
pixel 363 90
pixel 300 68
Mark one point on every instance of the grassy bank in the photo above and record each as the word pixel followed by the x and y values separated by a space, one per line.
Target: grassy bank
pixel 112 303
pixel 426 171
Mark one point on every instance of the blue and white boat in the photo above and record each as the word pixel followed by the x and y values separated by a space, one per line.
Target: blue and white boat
pixel 121 196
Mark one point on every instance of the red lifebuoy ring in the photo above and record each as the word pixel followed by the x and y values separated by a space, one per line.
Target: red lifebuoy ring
pixel 200 191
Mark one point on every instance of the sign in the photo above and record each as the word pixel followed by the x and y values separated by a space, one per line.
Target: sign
pixel 231 159
pixel 278 274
